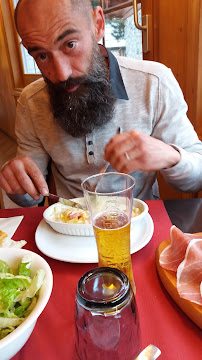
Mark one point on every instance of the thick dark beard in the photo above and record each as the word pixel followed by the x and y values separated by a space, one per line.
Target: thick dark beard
pixel 90 106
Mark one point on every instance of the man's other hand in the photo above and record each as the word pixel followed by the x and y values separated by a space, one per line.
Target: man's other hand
pixel 133 150
pixel 21 175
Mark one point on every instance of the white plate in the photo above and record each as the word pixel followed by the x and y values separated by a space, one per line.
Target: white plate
pixel 80 249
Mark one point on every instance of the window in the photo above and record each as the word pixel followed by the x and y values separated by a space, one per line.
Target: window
pixel 121 35
pixel 29 64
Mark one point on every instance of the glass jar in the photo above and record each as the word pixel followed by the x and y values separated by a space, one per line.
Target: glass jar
pixel 106 316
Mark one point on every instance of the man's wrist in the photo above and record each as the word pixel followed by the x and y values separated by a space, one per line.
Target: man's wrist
pixel 176 156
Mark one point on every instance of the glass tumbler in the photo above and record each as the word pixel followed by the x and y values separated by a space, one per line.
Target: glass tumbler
pixel 109 198
pixel 106 317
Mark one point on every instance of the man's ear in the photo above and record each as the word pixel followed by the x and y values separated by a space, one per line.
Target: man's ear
pixel 99 23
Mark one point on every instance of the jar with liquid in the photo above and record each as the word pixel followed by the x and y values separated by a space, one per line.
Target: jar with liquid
pixel 106 317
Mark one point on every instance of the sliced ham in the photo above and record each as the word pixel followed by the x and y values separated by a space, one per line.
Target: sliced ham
pixel 189 273
pixel 75 214
pixel 174 254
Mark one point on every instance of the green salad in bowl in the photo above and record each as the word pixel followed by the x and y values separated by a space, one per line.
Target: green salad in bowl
pixel 26 283
pixel 18 293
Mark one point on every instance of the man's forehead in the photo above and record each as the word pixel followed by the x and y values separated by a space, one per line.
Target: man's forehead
pixel 35 8
pixel 33 14
pixel 32 3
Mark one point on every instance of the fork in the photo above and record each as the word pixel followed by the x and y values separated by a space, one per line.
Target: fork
pixel 105 167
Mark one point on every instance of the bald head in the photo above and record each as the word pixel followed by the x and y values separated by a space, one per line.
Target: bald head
pixel 83 7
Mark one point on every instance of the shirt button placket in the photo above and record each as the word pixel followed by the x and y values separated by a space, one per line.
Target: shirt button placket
pixel 90 149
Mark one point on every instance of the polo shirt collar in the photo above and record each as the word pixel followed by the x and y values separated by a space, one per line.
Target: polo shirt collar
pixel 116 81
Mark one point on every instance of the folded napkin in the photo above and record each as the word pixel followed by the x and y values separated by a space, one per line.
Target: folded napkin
pixel 8 227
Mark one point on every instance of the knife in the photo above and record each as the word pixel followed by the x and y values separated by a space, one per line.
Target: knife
pixel 66 201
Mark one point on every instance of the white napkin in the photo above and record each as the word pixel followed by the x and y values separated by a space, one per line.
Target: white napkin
pixel 9 226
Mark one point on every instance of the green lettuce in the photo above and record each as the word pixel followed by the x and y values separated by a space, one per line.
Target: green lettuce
pixel 18 294
pixel 24 266
pixel 4 268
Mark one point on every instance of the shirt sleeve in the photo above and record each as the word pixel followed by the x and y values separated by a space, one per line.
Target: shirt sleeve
pixel 173 127
pixel 29 143
pixel 25 200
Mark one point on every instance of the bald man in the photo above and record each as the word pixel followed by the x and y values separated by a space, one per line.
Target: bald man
pixel 91 107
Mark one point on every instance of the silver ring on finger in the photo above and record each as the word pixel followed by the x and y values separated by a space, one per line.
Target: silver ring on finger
pixel 127 156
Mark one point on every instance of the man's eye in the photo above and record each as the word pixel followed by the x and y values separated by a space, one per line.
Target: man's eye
pixel 42 57
pixel 70 45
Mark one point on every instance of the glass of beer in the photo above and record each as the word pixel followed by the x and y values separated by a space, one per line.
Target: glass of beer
pixel 109 199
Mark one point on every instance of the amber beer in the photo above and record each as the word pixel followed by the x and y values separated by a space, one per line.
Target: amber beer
pixel 112 232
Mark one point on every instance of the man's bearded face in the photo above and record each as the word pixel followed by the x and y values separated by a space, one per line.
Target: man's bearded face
pixel 90 106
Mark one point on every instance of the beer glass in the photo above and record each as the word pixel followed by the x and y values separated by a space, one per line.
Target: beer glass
pixel 106 317
pixel 109 198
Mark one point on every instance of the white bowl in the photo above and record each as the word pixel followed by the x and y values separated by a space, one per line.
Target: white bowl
pixel 137 203
pixel 86 229
pixel 12 343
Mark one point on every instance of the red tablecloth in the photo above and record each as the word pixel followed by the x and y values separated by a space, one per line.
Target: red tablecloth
pixel 162 321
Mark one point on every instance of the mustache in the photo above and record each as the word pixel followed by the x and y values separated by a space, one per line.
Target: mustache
pixel 85 80
pixel 69 83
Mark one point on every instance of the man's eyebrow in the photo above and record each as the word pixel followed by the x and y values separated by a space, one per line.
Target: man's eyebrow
pixel 59 38
pixel 34 48
pixel 65 33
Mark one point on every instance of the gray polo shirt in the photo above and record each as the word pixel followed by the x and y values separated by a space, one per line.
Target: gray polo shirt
pixel 149 99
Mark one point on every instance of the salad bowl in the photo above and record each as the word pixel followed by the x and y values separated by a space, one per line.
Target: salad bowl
pixel 14 341
pixel 53 213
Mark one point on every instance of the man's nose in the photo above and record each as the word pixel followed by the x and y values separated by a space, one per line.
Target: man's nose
pixel 61 68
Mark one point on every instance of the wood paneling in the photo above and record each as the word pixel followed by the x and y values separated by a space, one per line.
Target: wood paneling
pixel 7 101
pixel 199 80
pixel 12 77
pixel 172 37
pixel 191 58
pixel 177 43
pixel 8 151
pixel 12 43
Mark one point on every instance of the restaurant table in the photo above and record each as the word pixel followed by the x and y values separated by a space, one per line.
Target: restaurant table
pixel 162 322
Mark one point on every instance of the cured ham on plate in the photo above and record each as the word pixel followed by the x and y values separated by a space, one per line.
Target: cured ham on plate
pixel 184 283
pixel 174 253
pixel 189 273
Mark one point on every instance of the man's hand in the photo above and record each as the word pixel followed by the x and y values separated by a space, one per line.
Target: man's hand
pixel 21 175
pixel 133 150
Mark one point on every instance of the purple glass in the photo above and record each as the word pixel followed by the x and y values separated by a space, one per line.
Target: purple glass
pixel 106 317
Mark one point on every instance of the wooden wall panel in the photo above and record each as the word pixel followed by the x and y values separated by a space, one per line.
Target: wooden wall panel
pixel 177 43
pixel 172 37
pixel 192 60
pixel 199 79
pixel 7 101
pixel 12 42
